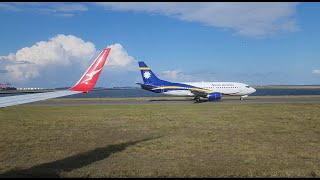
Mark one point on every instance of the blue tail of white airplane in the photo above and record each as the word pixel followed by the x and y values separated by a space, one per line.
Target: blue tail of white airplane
pixel 147 75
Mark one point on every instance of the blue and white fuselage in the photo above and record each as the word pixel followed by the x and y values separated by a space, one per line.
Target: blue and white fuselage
pixel 210 90
pixel 225 88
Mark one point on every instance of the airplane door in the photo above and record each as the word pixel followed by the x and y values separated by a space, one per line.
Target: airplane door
pixel 162 89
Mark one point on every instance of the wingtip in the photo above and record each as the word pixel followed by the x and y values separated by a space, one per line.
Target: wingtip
pixel 90 77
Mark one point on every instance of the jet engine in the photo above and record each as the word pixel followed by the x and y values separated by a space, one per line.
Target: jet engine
pixel 214 96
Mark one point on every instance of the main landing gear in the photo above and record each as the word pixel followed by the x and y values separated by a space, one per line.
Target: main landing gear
pixel 197 98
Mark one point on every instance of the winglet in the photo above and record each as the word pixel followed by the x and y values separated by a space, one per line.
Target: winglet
pixel 90 77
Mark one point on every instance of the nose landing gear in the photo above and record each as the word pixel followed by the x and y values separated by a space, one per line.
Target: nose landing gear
pixel 241 97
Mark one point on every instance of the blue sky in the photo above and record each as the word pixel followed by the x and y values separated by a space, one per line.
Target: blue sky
pixel 52 44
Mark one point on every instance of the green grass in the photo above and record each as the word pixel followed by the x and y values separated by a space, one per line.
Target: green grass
pixel 189 140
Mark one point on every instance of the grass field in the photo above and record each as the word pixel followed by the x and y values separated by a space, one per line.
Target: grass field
pixel 189 140
pixel 169 98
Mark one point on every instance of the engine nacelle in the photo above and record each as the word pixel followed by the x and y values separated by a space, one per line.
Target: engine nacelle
pixel 214 96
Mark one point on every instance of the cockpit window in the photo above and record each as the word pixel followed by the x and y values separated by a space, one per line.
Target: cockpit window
pixel 248 87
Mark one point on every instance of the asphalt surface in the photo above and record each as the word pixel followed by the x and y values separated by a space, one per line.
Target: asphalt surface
pixel 175 100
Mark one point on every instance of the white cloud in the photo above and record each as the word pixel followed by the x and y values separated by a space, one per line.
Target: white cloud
pixel 175 75
pixel 66 9
pixel 8 7
pixel 22 72
pixel 119 59
pixel 60 58
pixel 60 50
pixel 316 71
pixel 59 7
pixel 246 18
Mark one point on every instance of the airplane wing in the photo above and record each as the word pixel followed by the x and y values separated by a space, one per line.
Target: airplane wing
pixel 84 85
pixel 204 92
pixel 200 92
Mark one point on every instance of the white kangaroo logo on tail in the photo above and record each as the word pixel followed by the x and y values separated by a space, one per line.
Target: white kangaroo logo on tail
pixel 90 75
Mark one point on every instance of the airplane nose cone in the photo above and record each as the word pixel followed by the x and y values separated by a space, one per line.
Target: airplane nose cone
pixel 253 90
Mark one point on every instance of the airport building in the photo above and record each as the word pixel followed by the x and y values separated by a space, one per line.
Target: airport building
pixel 6 86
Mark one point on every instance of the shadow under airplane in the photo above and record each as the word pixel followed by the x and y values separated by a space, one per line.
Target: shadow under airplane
pixel 53 169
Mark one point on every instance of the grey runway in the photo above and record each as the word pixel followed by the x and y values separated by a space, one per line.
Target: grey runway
pixel 175 100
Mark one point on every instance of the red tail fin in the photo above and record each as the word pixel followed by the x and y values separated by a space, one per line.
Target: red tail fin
pixel 90 77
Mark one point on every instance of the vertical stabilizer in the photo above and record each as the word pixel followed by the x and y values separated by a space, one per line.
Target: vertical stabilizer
pixel 147 75
pixel 90 77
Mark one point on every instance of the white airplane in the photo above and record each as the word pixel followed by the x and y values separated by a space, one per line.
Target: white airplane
pixel 209 90
pixel 84 85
